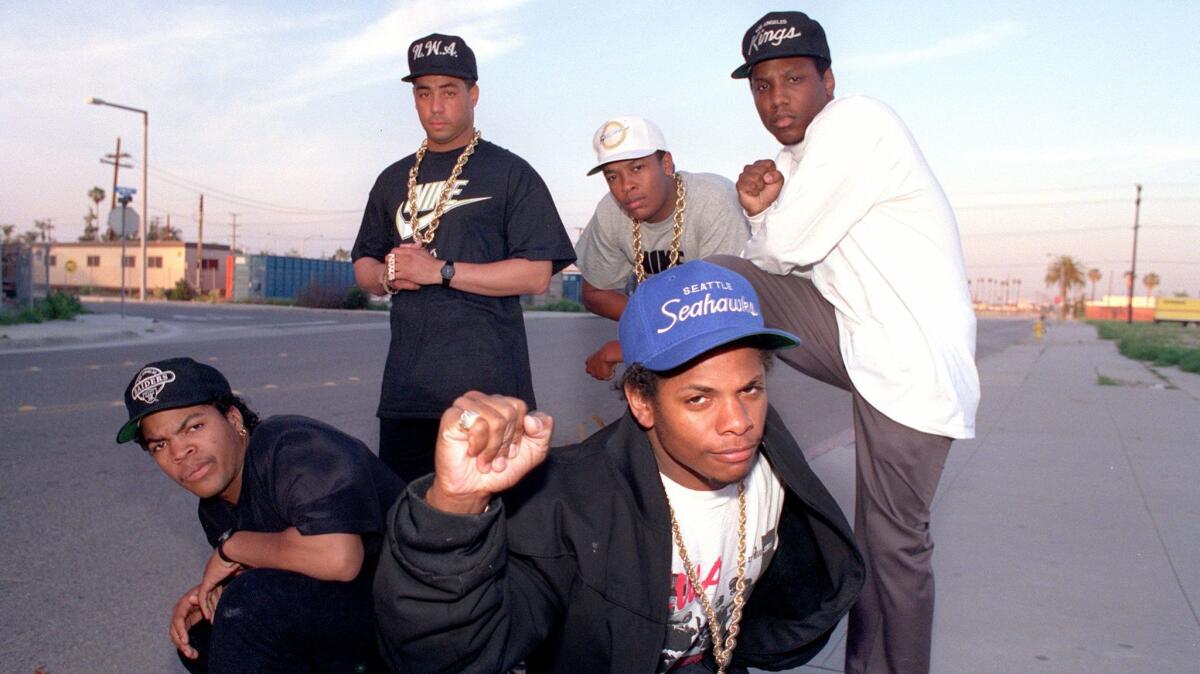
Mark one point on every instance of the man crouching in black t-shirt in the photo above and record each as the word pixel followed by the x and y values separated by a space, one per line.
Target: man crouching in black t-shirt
pixel 294 510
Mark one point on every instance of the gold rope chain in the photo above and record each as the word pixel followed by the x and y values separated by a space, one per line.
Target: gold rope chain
pixel 722 651
pixel 425 235
pixel 676 235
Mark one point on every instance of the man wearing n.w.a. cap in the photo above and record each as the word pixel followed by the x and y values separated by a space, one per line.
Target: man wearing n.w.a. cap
pixel 855 249
pixel 455 233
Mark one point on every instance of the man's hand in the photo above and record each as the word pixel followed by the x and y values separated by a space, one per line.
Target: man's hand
pixel 499 448
pixel 186 614
pixel 603 363
pixel 216 572
pixel 759 185
pixel 415 267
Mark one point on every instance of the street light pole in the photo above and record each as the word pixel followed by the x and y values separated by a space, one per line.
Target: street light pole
pixel 145 186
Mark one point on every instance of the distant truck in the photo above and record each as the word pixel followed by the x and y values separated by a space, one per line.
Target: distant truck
pixel 1177 310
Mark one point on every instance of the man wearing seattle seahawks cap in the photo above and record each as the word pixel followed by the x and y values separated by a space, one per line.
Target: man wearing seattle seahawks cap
pixel 653 218
pixel 294 510
pixel 854 247
pixel 688 536
pixel 455 233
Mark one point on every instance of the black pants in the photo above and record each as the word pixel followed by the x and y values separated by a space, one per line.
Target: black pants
pixel 278 621
pixel 406 446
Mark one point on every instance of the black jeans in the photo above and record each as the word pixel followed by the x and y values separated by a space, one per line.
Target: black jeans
pixel 278 621
pixel 406 446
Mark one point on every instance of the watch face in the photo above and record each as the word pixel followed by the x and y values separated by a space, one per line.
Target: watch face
pixel 448 271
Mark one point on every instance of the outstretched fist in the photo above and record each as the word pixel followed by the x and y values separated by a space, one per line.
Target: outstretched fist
pixel 486 444
pixel 759 185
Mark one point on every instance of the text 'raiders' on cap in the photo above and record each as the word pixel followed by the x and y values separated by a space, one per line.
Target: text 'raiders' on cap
pixel 684 312
pixel 781 35
pixel 627 137
pixel 166 385
pixel 438 54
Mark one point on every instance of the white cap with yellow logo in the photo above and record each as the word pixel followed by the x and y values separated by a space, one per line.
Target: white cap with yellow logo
pixel 627 137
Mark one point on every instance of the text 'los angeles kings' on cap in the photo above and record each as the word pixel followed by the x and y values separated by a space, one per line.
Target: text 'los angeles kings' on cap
pixel 781 35
pixel 684 312
pixel 437 54
pixel 169 384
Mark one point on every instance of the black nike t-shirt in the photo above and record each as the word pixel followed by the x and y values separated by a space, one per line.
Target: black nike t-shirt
pixel 446 342
pixel 302 473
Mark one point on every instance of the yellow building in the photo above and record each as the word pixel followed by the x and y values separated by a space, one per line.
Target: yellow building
pixel 97 265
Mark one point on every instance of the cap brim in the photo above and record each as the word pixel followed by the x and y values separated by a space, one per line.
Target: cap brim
pixel 742 72
pixel 697 345
pixel 462 75
pixel 129 430
pixel 624 156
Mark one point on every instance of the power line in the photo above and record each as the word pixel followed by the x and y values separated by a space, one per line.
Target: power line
pixel 181 181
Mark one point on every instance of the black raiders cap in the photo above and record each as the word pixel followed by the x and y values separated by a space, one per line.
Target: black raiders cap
pixel 780 35
pixel 438 54
pixel 167 384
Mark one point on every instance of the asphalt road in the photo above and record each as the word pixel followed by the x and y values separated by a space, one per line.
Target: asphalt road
pixel 98 545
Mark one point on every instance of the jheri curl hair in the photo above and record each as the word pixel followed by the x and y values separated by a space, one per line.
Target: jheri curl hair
pixel 223 402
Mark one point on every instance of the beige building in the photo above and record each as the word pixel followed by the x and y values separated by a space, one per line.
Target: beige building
pixel 97 265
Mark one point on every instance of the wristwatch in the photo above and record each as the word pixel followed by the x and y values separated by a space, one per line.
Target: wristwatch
pixel 447 273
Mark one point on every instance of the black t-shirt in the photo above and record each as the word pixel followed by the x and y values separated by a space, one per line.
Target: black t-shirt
pixel 302 473
pixel 445 341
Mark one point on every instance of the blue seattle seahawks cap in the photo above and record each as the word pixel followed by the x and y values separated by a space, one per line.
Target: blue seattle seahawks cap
pixel 684 312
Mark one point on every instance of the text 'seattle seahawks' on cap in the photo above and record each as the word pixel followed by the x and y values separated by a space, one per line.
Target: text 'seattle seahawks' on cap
pixel 628 137
pixel 438 54
pixel 681 313
pixel 781 35
pixel 166 385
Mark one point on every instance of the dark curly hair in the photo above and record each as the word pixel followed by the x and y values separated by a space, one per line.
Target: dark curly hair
pixel 223 402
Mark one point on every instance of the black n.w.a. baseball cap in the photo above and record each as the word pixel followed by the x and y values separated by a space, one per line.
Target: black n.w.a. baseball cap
pixel 438 54
pixel 167 384
pixel 781 35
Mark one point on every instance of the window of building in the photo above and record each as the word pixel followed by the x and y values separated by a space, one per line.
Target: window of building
pixel 53 260
pixel 154 262
pixel 93 260
pixel 129 261
pixel 209 264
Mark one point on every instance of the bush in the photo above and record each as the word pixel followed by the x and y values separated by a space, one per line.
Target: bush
pixel 1190 362
pixel 569 306
pixel 182 292
pixel 59 306
pixel 356 298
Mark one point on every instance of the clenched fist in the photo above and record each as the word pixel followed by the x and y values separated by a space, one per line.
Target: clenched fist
pixel 759 185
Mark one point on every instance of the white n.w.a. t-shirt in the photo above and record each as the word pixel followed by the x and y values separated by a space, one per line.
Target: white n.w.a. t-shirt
pixel 708 522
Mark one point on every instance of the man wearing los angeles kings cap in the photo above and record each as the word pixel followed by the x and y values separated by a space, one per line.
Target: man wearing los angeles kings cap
pixel 854 248
pixel 688 536
pixel 455 233
pixel 294 510
pixel 654 217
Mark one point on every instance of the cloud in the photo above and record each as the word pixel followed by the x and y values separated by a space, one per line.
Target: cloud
pixel 978 40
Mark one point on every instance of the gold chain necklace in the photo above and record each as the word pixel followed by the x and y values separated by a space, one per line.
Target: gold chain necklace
pixel 639 255
pixel 425 236
pixel 722 651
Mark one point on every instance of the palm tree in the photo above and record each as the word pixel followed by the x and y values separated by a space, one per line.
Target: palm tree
pixel 1150 280
pixel 1066 272
pixel 7 231
pixel 1094 275
pixel 97 195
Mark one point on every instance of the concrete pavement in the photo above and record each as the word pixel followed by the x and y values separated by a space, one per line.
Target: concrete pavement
pixel 1068 530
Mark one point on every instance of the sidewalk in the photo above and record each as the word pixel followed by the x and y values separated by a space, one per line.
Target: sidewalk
pixel 1068 530
pixel 85 328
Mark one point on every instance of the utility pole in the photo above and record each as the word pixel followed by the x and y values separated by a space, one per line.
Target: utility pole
pixel 46 257
pixel 233 248
pixel 200 245
pixel 114 159
pixel 1137 209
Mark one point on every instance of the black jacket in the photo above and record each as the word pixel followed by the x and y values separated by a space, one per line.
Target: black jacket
pixel 571 572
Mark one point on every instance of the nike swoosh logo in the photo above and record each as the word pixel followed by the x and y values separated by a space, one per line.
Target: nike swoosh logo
pixel 405 229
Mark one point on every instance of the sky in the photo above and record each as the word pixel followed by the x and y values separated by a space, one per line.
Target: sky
pixel 1038 118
